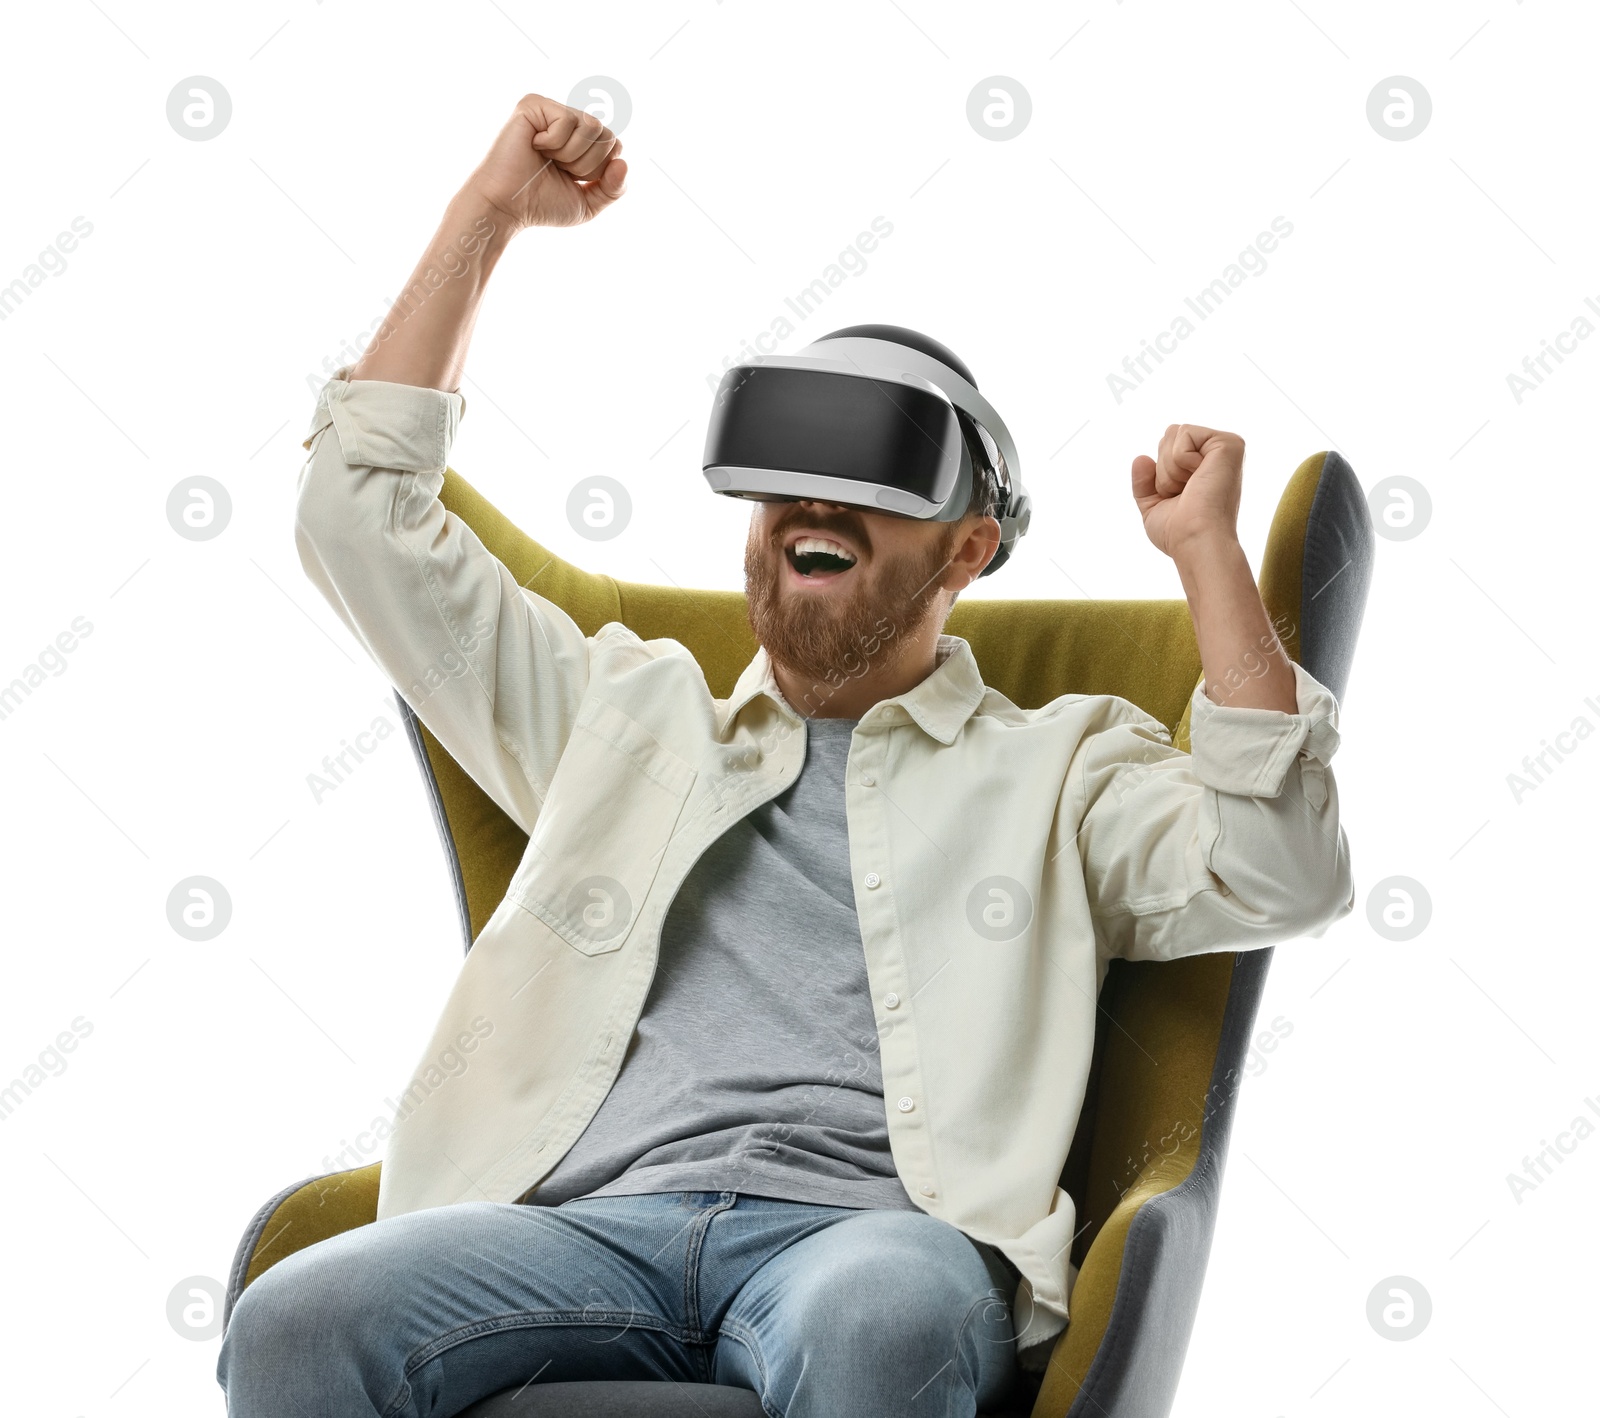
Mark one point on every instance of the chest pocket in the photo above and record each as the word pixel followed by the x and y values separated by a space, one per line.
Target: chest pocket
pixel 613 805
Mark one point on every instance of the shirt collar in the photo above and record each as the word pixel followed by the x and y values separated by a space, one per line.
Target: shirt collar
pixel 940 704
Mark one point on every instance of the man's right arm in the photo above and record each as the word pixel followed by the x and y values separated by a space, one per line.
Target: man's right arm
pixel 495 671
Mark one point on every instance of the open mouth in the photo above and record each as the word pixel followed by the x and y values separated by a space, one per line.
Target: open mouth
pixel 819 558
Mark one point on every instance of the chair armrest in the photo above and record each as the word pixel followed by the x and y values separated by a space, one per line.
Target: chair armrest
pixel 1151 1256
pixel 300 1216
pixel 1138 1287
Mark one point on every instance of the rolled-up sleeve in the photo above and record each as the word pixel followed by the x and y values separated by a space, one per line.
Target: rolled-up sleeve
pixel 494 670
pixel 1234 845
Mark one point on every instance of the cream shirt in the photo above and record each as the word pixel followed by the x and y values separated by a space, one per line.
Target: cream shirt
pixel 1001 856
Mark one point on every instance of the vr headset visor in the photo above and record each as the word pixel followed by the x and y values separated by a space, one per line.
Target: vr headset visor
pixel 866 422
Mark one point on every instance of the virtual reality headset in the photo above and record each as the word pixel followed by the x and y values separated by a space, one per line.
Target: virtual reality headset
pixel 872 416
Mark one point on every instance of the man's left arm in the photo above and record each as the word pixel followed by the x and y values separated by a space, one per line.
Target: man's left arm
pixel 1238 842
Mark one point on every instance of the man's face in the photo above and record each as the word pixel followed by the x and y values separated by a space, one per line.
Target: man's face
pixel 828 586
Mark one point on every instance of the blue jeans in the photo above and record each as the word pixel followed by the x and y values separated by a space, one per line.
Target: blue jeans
pixel 825 1311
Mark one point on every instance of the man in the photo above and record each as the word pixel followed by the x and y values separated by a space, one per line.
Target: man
pixel 735 1086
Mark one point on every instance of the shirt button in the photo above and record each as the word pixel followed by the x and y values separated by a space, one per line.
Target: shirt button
pixel 869 780
pixel 925 1189
pixel 873 879
pixel 905 1105
pixel 891 1001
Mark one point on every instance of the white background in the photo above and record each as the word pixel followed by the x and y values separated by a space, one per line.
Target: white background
pixel 187 332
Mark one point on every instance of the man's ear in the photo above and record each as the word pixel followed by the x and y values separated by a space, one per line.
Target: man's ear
pixel 979 544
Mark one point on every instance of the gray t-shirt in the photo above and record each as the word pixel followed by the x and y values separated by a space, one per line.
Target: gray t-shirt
pixel 754 1067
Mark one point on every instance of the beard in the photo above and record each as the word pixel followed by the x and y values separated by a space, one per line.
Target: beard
pixel 831 637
